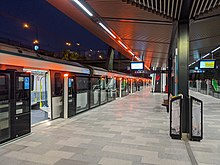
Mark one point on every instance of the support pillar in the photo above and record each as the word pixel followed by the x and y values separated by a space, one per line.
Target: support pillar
pixel 131 86
pixel 197 85
pixel 65 93
pixel 120 83
pixel 183 72
pixel 207 87
pixel 169 76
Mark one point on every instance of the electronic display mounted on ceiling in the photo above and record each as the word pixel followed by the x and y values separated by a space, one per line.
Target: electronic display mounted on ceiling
pixel 207 64
pixel 137 65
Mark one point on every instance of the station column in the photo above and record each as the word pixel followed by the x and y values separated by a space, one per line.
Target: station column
pixel 182 70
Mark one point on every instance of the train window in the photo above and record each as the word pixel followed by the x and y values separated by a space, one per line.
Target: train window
pixel 82 83
pixel 2 81
pixel 20 83
pixel 103 84
pixel 3 87
pixel 95 82
pixel 58 84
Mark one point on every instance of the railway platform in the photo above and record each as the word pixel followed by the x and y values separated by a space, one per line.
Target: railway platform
pixel 133 130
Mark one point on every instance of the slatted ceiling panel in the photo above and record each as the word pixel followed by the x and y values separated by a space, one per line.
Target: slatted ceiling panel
pixel 136 31
pixel 201 6
pixel 155 47
pixel 169 8
pixel 122 10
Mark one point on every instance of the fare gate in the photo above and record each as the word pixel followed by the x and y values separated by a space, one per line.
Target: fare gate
pixel 15 119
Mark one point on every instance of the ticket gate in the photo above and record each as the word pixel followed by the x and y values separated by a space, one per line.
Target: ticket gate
pixel 14 104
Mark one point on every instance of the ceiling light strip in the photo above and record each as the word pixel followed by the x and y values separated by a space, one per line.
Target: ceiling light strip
pixel 122 44
pixel 215 49
pixel 147 67
pixel 83 7
pixel 205 56
pixel 131 52
pixel 107 30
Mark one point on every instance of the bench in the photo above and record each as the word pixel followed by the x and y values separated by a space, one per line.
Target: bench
pixel 166 104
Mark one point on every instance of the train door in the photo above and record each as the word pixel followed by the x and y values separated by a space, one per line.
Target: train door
pixel 14 104
pixel 21 118
pixel 40 95
pixel 5 127
pixel 71 96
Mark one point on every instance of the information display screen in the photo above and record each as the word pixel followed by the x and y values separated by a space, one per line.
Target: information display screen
pixel 137 65
pixel 26 83
pixel 207 64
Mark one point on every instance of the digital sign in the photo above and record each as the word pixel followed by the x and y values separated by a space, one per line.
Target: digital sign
pixel 137 65
pixel 207 64
pixel 26 83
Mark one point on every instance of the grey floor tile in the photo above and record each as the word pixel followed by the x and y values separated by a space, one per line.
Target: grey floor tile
pixel 133 130
pixel 70 162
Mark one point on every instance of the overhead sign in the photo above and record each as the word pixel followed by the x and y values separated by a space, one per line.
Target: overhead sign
pixel 207 64
pixel 137 65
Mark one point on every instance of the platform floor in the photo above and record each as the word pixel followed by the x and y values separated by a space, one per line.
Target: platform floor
pixel 208 150
pixel 133 130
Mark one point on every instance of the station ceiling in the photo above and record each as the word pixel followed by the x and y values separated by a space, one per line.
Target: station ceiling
pixel 144 27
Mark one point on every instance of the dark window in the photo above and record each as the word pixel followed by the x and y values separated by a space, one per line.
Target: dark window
pixel 4 84
pixel 2 81
pixel 82 83
pixel 58 84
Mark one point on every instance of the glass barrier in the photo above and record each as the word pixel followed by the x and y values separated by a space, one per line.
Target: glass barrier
pixel 82 95
pixel 95 92
pixel 207 87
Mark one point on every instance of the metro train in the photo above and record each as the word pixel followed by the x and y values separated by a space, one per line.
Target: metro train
pixel 31 82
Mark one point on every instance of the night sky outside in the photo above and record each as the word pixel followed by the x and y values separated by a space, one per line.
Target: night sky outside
pixel 52 27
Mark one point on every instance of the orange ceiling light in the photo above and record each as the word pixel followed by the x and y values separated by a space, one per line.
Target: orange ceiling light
pixel 66 75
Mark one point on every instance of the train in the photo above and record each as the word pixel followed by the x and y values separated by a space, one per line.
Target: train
pixel 35 87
